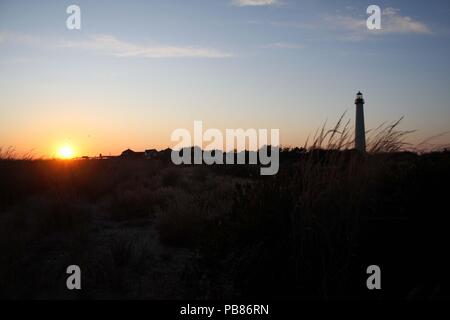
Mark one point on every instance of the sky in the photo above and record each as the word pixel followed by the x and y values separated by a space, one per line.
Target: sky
pixel 138 70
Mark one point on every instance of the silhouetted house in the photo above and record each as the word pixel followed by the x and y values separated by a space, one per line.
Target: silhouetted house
pixel 298 150
pixel 130 154
pixel 165 154
pixel 151 154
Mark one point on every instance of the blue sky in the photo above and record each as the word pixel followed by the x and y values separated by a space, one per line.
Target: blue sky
pixel 137 70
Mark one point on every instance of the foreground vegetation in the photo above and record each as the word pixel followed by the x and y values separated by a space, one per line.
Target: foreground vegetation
pixel 148 229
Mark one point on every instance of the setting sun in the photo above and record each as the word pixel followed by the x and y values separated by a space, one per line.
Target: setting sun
pixel 66 152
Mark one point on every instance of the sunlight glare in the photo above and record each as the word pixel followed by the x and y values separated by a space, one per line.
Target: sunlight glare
pixel 66 152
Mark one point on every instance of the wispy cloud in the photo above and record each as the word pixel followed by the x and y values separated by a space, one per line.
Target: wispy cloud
pixel 347 27
pixel 397 23
pixel 110 45
pixel 391 22
pixel 246 3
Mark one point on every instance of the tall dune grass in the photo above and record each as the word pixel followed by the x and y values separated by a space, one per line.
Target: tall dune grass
pixel 387 137
pixel 10 153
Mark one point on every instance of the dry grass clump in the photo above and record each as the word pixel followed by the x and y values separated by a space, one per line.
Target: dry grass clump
pixel 10 153
pixel 385 138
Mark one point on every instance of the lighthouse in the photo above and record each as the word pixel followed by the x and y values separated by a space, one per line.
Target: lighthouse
pixel 360 131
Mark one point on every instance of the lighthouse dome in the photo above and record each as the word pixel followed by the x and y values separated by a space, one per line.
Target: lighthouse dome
pixel 359 97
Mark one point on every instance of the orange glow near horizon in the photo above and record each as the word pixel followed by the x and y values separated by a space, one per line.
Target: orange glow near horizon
pixel 66 152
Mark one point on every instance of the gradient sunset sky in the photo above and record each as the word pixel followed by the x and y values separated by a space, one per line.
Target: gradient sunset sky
pixel 137 70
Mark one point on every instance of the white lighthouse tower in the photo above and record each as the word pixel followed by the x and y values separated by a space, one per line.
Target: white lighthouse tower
pixel 360 130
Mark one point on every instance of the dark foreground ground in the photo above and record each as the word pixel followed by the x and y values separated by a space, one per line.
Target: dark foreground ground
pixel 148 229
